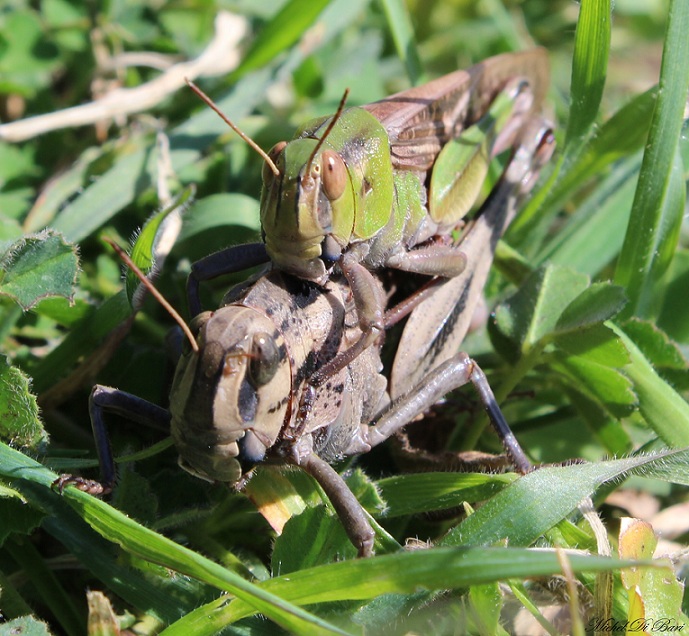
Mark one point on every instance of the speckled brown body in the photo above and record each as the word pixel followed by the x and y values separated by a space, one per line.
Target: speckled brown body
pixel 223 423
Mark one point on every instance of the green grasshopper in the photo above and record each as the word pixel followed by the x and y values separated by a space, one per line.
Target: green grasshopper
pixel 238 389
pixel 377 186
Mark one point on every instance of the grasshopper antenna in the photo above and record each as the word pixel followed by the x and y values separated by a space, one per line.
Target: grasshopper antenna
pixel 332 123
pixel 244 136
pixel 154 292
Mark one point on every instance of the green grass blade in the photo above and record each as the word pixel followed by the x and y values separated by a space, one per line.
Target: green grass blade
pixel 665 411
pixel 143 252
pixel 132 172
pixel 659 202
pixel 400 24
pixel 284 29
pixel 47 585
pixel 401 573
pixel 146 544
pixel 589 68
pixel 522 512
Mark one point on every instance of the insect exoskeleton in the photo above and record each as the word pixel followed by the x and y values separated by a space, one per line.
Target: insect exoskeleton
pixel 229 400
pixel 315 208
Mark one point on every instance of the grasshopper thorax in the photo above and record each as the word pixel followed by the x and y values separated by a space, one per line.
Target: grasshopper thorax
pixel 241 355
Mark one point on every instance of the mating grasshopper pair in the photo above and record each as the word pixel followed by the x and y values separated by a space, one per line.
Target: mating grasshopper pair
pixel 288 369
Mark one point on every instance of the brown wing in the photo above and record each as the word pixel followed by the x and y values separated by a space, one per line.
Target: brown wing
pixel 422 119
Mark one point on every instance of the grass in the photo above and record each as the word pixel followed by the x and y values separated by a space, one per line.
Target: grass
pixel 585 349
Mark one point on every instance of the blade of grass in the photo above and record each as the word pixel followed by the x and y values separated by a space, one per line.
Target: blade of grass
pixel 589 69
pixel 400 25
pixel 401 573
pixel 283 30
pixel 665 411
pixel 658 205
pixel 150 546
pixel 524 510
pixel 47 586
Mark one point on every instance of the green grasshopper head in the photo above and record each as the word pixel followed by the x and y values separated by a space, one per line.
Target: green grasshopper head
pixel 307 213
pixel 229 400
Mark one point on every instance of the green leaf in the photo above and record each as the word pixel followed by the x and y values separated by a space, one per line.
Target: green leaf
pixel 84 337
pixel 425 492
pixel 593 235
pixel 26 626
pixel 675 309
pixel 594 305
pixel 606 428
pixel 589 67
pixel 29 57
pixel 106 196
pixel 522 512
pixel 311 538
pixel 18 518
pixel 665 355
pixel 400 24
pixel 143 252
pixel 598 343
pixel 600 382
pixel 665 411
pixel 63 311
pixel 533 312
pixel 365 490
pixel 19 423
pixel 283 30
pixel 486 604
pixel 658 206
pixel 216 222
pixel 39 266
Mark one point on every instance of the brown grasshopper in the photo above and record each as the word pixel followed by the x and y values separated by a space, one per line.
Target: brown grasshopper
pixel 237 395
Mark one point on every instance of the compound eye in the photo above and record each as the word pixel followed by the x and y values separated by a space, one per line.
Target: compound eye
pixel 264 359
pixel 334 177
pixel 266 173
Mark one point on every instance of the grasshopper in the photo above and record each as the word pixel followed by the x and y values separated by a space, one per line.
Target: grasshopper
pixel 237 393
pixel 376 186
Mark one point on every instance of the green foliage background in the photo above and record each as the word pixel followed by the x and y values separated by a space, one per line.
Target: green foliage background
pixel 586 349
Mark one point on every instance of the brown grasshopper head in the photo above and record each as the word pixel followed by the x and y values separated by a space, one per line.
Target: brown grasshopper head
pixel 229 400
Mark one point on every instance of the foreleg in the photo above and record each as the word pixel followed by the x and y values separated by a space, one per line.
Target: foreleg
pixel 233 259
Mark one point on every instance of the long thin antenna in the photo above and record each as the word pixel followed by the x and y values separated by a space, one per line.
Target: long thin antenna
pixel 156 294
pixel 251 142
pixel 332 123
